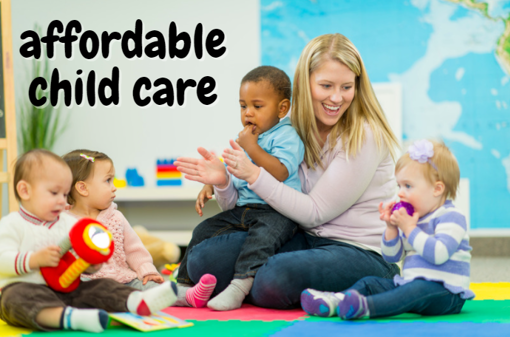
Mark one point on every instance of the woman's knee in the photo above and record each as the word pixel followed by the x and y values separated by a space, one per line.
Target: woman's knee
pixel 277 287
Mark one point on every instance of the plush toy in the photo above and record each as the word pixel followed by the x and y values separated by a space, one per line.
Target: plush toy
pixel 91 242
pixel 162 252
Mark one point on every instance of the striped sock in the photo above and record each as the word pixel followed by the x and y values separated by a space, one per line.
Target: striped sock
pixel 90 320
pixel 199 295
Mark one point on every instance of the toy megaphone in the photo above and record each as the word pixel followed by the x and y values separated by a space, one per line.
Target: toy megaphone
pixel 93 244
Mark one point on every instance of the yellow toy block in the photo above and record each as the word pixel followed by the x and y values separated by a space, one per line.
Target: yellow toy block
pixel 168 175
pixel 119 183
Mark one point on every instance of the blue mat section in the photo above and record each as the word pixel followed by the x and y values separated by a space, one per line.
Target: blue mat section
pixel 370 328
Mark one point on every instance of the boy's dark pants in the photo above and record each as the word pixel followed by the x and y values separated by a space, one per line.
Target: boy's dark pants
pixel 21 302
pixel 267 231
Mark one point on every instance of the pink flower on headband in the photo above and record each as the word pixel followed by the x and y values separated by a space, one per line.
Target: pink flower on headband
pixel 421 151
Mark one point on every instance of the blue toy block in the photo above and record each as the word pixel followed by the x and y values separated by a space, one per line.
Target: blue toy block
pixel 133 179
pixel 173 182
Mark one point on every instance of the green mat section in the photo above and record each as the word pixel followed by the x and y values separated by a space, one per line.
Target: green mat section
pixel 200 328
pixel 487 311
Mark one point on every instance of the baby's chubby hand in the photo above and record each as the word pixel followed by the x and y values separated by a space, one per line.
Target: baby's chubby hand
pixel 248 137
pixel 93 268
pixel 385 212
pixel 204 196
pixel 156 278
pixel 46 257
pixel 402 220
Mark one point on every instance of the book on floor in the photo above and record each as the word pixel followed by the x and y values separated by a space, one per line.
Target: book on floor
pixel 156 321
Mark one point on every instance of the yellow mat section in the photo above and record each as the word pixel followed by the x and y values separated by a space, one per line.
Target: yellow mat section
pixel 8 331
pixel 491 291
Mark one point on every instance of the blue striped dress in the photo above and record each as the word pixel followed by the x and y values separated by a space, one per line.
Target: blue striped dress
pixel 437 250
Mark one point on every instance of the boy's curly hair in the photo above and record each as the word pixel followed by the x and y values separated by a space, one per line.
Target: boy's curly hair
pixel 277 78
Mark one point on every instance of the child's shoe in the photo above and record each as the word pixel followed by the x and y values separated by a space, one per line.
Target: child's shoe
pixel 354 305
pixel 320 303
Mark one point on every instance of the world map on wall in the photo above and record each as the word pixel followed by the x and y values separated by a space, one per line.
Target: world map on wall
pixel 452 58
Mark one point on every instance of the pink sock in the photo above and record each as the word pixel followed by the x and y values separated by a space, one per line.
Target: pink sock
pixel 199 295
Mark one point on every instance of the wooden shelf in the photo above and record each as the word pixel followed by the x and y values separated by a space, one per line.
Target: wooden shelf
pixel 178 193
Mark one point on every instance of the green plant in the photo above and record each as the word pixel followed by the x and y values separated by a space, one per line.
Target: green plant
pixel 39 127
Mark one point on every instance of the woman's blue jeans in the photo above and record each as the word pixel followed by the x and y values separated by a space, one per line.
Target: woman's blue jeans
pixel 422 297
pixel 304 262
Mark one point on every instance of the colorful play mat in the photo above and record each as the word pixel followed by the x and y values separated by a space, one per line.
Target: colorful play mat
pixel 487 315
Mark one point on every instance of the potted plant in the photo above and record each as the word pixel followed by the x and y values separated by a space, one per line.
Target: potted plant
pixel 39 127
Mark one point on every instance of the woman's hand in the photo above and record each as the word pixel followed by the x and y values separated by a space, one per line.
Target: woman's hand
pixel 239 165
pixel 208 170
pixel 204 196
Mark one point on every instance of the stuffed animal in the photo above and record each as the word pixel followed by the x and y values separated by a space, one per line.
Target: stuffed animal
pixel 162 252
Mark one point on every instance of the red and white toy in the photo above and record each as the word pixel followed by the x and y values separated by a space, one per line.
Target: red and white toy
pixel 91 242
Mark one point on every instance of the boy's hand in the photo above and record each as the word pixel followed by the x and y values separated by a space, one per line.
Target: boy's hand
pixel 93 268
pixel 385 212
pixel 205 194
pixel 46 257
pixel 402 220
pixel 156 278
pixel 248 138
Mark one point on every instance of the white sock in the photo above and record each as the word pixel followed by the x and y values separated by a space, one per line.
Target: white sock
pixel 146 302
pixel 90 320
pixel 181 295
pixel 233 296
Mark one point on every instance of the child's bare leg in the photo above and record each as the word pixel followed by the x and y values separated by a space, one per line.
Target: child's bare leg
pixel 69 318
pixel 49 317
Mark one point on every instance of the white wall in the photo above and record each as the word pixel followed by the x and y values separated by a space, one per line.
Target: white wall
pixel 133 136
pixel 136 137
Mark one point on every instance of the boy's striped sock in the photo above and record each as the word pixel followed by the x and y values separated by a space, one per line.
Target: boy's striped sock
pixel 199 295
pixel 90 320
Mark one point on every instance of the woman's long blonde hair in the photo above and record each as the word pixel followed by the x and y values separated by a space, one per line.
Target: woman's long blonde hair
pixel 364 107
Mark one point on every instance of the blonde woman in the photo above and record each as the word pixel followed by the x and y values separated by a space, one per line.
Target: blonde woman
pixel 348 169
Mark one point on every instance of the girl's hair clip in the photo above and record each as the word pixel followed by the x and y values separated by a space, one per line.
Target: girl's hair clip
pixel 87 157
pixel 422 151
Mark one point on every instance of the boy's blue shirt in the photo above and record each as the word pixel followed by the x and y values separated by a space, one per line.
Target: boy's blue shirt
pixel 282 142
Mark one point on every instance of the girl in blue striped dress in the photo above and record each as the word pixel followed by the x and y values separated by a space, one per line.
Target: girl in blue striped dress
pixel 433 243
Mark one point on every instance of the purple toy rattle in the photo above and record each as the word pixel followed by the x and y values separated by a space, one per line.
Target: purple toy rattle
pixel 402 204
